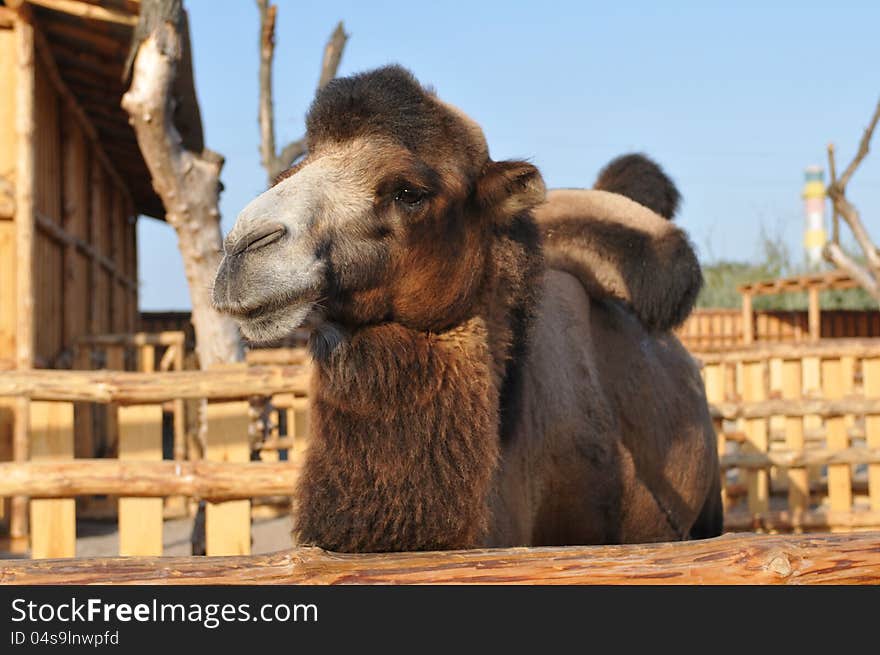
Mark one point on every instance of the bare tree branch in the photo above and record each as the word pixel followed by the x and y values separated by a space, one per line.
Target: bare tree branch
pixel 276 163
pixel 864 146
pixel 332 55
pixel 867 275
pixel 267 111
pixel 835 218
pixel 837 256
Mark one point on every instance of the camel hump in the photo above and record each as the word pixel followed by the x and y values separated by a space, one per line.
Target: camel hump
pixel 621 250
pixel 640 178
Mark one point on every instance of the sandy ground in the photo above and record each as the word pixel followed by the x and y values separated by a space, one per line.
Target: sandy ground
pixel 101 538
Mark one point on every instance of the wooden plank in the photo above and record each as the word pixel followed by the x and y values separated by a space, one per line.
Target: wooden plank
pixel 731 559
pixel 798 483
pixel 840 475
pixel 88 11
pixel 756 437
pixel 776 423
pixel 811 374
pixel 216 481
pixel 714 383
pixel 53 522
pixel 132 388
pixel 813 313
pixel 748 319
pixel 871 375
pixel 24 227
pixel 228 524
pixel 140 519
pixel 115 362
pixel 858 348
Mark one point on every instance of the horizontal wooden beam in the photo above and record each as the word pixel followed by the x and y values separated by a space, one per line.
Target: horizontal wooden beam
pixel 727 560
pixel 215 481
pixel 793 458
pixel 815 519
pixel 277 356
pixel 168 338
pixel 828 349
pixel 796 407
pixel 59 234
pixel 87 11
pixel 141 388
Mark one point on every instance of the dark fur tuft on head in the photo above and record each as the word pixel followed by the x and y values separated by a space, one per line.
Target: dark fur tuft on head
pixel 641 179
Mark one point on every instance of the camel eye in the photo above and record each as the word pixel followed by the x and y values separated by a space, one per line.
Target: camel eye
pixel 410 197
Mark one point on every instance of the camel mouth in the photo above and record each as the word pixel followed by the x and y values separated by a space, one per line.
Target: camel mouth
pixel 275 321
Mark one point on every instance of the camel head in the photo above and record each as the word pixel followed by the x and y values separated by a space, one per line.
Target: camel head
pixel 388 218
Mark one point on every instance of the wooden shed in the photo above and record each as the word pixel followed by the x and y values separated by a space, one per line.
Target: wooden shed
pixel 72 184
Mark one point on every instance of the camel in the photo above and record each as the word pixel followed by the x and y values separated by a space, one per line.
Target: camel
pixel 488 369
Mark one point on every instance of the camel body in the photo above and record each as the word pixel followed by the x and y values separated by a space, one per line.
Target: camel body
pixel 614 443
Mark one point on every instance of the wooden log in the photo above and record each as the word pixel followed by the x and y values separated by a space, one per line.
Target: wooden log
pixel 228 523
pixel 814 316
pixel 88 11
pixel 53 522
pixel 169 338
pixel 829 348
pixel 798 483
pixel 871 377
pixel 821 520
pixel 748 319
pixel 757 438
pixel 215 481
pixel 777 407
pixel 150 388
pixel 24 246
pixel 800 458
pixel 727 560
pixel 284 356
pixel 140 519
pixel 834 385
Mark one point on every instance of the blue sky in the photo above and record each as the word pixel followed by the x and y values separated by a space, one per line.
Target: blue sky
pixel 733 99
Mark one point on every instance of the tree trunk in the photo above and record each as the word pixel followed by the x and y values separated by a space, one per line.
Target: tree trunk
pixel 187 182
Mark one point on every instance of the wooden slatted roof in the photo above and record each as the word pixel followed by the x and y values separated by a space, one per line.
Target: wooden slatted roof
pixel 90 42
pixel 821 281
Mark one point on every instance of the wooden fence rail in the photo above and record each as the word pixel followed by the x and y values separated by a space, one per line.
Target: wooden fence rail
pixel 149 388
pixel 727 560
pixel 214 481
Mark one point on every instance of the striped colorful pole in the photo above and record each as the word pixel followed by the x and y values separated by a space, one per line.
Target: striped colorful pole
pixel 814 211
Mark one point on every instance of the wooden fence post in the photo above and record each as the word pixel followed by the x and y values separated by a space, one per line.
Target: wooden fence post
pixel 53 522
pixel 714 383
pixel 834 386
pixel 756 438
pixel 871 374
pixel 798 482
pixel 811 374
pixel 140 519
pixel 228 524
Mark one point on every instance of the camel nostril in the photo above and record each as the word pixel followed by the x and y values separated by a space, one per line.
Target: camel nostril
pixel 259 238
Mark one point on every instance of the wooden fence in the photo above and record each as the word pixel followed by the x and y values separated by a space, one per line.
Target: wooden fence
pixel 798 425
pixel 139 476
pixel 799 434
pixel 707 329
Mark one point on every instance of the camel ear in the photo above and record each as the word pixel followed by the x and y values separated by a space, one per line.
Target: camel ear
pixel 508 188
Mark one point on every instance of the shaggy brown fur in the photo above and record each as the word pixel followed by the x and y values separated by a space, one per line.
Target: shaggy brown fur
pixel 621 250
pixel 641 179
pixel 463 395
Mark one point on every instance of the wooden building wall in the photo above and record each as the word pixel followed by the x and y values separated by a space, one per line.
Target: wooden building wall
pixel 85 272
pixel 66 217
pixel 7 229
